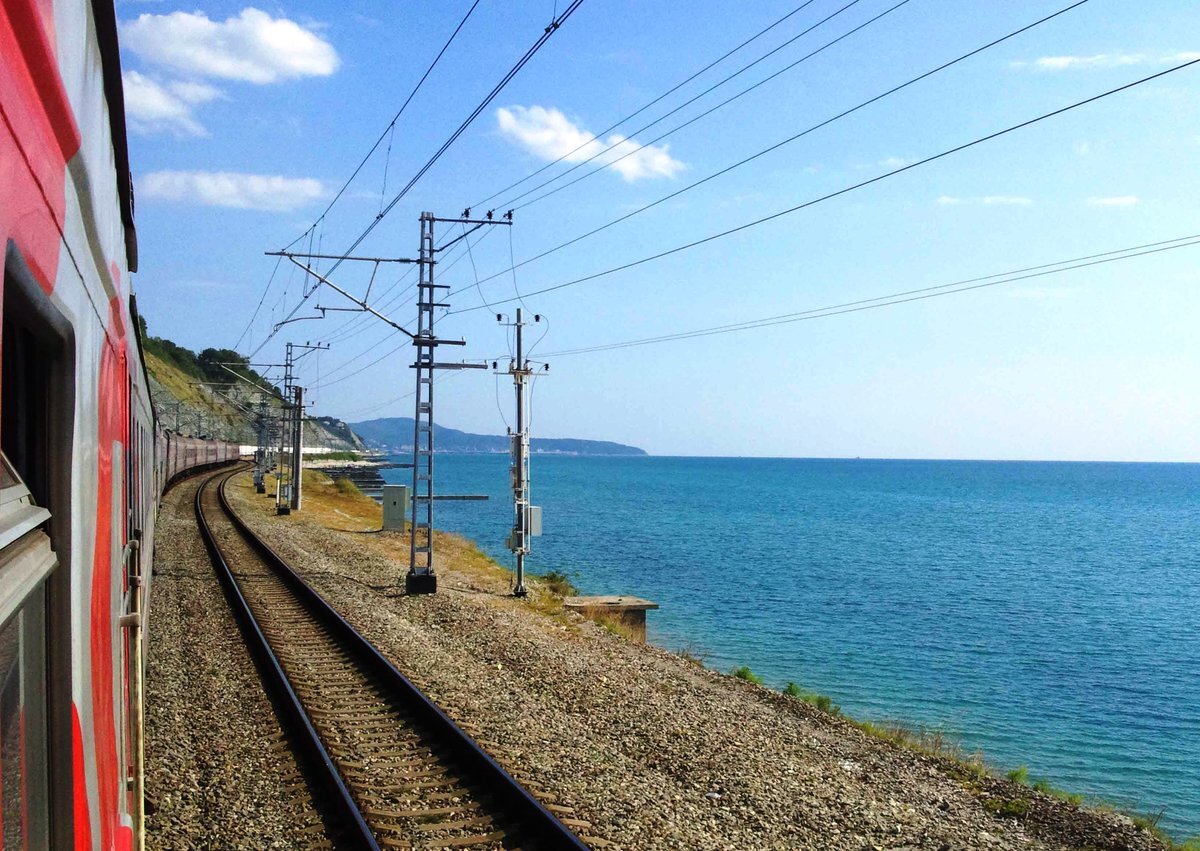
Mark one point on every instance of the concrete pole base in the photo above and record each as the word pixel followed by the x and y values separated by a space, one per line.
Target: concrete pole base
pixel 420 583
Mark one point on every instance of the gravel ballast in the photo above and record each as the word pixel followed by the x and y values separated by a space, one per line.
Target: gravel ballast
pixel 218 772
pixel 644 748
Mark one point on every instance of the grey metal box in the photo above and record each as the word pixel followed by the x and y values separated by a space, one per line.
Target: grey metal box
pixel 534 526
pixel 395 507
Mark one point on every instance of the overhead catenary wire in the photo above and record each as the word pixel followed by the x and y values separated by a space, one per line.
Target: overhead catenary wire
pixel 647 105
pixel 854 187
pixel 258 307
pixel 352 326
pixel 437 383
pixel 512 202
pixel 392 124
pixel 529 54
pixel 390 332
pixel 904 297
pixel 388 132
pixel 793 138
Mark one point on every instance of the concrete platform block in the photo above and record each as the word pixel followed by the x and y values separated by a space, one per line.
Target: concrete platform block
pixel 628 611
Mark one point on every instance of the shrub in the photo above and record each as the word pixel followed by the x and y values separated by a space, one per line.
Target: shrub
pixel 1020 774
pixel 559 583
pixel 347 487
pixel 823 702
pixel 744 673
pixel 1007 808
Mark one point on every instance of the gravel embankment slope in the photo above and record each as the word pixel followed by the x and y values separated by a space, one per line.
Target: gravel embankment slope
pixel 650 749
pixel 217 772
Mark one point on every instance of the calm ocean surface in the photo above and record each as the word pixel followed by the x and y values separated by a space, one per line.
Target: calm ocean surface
pixel 1045 613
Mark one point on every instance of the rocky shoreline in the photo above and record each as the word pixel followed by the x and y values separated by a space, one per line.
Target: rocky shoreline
pixel 647 748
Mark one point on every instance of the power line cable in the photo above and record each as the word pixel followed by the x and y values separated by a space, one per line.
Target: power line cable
pixel 388 132
pixel 904 297
pixel 529 54
pixel 646 106
pixel 848 189
pixel 392 124
pixel 845 113
pixel 641 146
pixel 258 307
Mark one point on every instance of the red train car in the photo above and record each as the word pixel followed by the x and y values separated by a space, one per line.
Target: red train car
pixel 84 461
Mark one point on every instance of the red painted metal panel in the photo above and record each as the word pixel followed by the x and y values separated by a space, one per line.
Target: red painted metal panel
pixel 37 137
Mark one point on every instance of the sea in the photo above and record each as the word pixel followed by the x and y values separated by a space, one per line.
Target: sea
pixel 1044 614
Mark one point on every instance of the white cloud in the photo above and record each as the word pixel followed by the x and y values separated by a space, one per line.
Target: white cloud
pixel 231 189
pixel 1107 60
pixel 549 134
pixel 154 108
pixel 253 46
pixel 1115 201
pixel 987 200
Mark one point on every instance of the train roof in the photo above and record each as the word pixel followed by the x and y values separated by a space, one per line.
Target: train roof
pixel 105 15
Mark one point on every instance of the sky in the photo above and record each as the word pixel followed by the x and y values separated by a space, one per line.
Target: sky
pixel 245 122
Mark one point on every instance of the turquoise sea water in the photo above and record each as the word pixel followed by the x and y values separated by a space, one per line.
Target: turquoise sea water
pixel 1047 614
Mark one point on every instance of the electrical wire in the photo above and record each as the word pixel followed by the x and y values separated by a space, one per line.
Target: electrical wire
pixel 853 187
pixel 646 106
pixel 391 332
pixel 513 267
pixel 892 299
pixel 258 307
pixel 843 114
pixel 392 124
pixel 437 383
pixel 512 202
pixel 529 54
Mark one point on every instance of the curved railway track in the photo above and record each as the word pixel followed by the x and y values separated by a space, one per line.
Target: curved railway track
pixel 393 769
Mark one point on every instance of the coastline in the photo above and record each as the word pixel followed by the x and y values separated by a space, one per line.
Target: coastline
pixel 980 810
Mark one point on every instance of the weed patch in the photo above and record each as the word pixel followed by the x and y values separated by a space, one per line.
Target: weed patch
pixel 1007 808
pixel 823 702
pixel 744 673
pixel 559 583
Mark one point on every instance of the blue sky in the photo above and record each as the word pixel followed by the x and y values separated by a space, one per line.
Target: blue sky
pixel 245 120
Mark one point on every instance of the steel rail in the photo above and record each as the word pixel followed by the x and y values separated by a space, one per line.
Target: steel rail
pixel 536 822
pixel 349 819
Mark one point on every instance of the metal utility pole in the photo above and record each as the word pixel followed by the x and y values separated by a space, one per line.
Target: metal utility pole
pixel 421 577
pixel 287 494
pixel 298 449
pixel 260 449
pixel 283 503
pixel 527 519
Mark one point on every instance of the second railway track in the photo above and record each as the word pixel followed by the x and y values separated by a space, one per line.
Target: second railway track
pixel 394 770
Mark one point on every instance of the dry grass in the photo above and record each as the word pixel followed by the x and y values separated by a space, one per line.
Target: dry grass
pixel 461 565
pixel 334 506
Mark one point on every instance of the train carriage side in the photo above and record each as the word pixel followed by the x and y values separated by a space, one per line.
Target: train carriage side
pixel 83 461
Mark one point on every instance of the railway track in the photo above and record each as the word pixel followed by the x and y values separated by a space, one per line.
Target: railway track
pixel 393 769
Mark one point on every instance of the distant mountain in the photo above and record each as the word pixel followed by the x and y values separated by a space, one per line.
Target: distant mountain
pixel 395 434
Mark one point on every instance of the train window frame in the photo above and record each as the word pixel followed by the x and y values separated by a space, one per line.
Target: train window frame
pixel 26 555
pixel 19 514
pixel 27 304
